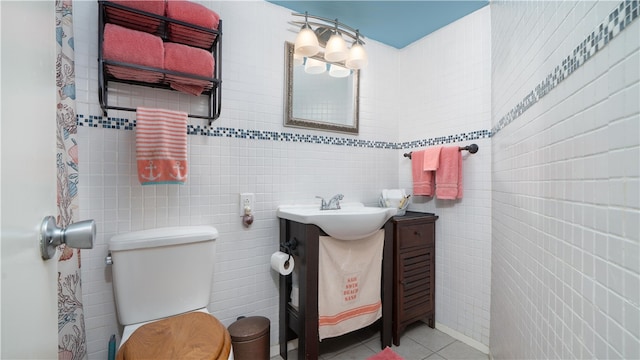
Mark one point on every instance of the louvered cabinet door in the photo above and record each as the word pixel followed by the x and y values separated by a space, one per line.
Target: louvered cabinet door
pixel 414 271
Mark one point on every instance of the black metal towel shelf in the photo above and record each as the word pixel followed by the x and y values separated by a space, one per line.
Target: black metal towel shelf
pixel 139 20
pixel 473 148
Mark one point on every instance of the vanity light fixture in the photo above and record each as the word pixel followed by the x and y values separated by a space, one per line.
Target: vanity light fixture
pixel 330 34
pixel 314 67
pixel 336 49
pixel 338 71
pixel 306 41
pixel 357 56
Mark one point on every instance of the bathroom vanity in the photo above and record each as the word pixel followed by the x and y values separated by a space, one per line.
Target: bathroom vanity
pixel 301 322
pixel 414 270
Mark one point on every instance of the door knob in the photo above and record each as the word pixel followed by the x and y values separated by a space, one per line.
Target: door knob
pixel 78 235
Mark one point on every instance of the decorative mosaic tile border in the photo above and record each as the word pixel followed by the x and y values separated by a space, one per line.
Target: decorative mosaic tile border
pixel 620 18
pixel 126 124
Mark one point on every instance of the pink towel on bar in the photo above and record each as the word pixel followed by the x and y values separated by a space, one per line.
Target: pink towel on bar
pixel 192 13
pixel 449 174
pixel 134 47
pixel 432 158
pixel 161 146
pixel 422 180
pixel 190 60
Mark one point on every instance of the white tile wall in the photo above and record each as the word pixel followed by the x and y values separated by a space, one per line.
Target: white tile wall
pixel 442 88
pixel 278 172
pixel 445 79
pixel 566 180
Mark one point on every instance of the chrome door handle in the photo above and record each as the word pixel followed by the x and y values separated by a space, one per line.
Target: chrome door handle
pixel 79 235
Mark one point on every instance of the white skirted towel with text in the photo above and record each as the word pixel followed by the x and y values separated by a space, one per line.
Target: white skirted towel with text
pixel 349 284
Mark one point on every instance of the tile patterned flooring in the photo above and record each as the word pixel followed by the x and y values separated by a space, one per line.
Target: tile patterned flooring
pixel 419 342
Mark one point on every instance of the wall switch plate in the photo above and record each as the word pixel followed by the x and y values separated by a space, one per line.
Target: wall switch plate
pixel 246 199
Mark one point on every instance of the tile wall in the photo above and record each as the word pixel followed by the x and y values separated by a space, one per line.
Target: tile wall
pixel 566 180
pixel 446 93
pixel 248 150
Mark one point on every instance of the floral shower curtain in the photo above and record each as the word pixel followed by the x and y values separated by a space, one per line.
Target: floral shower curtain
pixel 72 344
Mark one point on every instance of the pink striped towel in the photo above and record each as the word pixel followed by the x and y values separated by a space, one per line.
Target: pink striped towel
pixel 161 146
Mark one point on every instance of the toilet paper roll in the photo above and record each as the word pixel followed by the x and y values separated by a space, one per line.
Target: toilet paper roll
pixel 282 263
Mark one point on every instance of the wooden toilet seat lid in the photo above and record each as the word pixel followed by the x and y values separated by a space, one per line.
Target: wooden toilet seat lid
pixel 190 336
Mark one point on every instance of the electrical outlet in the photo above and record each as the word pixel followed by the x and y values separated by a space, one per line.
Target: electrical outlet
pixel 246 199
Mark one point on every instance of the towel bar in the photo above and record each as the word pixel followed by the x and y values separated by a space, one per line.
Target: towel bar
pixel 473 148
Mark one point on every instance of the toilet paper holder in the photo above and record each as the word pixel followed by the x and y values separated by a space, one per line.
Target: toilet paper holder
pixel 289 246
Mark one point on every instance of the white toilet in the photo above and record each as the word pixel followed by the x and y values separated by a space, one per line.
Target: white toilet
pixel 162 283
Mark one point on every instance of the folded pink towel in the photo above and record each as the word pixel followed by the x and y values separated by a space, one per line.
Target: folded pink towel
pixel 137 21
pixel 432 158
pixel 134 47
pixel 192 13
pixel 190 60
pixel 150 6
pixel 195 14
pixel 449 174
pixel 422 180
pixel 161 146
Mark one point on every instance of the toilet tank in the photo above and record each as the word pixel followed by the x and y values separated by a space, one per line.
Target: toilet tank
pixel 162 272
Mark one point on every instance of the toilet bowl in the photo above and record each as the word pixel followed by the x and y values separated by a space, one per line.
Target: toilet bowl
pixel 162 281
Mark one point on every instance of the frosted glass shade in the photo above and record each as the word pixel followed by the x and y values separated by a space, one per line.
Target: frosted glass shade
pixel 314 66
pixel 357 57
pixel 306 42
pixel 297 59
pixel 338 71
pixel 336 49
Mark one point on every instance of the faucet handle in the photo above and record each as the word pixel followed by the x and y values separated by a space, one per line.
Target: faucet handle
pixel 323 204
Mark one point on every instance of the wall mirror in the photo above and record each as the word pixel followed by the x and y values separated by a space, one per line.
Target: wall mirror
pixel 320 95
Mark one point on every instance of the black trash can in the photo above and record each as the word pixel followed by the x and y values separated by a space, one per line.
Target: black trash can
pixel 250 338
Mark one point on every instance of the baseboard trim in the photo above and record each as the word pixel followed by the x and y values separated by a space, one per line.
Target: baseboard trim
pixel 464 338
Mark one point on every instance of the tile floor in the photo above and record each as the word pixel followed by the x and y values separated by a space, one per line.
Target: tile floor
pixel 419 342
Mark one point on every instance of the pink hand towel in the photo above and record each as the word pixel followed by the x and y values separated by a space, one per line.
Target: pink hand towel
pixel 449 174
pixel 422 180
pixel 161 146
pixel 196 14
pixel 134 47
pixel 432 158
pixel 190 60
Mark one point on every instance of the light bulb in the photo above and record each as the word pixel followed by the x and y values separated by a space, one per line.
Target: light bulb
pixel 336 49
pixel 338 71
pixel 314 66
pixel 357 57
pixel 306 42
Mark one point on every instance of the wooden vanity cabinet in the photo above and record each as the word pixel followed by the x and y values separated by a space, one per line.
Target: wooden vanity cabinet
pixel 414 271
pixel 301 322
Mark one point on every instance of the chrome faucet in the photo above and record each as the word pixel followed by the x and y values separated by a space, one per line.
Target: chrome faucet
pixel 333 204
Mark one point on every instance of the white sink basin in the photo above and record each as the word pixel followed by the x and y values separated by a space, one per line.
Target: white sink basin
pixel 351 222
